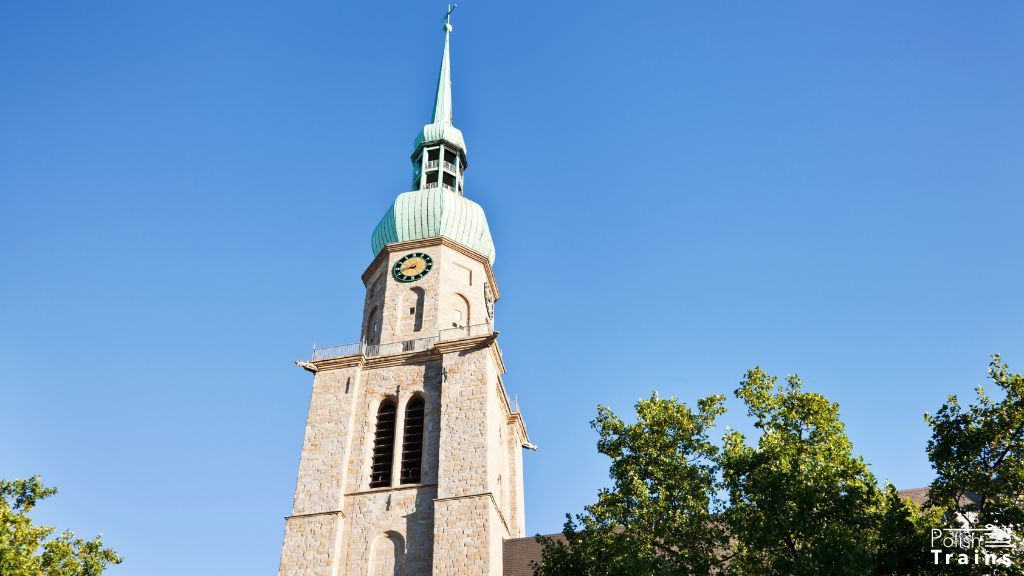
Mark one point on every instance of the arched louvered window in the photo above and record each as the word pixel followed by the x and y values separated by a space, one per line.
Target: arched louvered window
pixel 412 442
pixel 383 445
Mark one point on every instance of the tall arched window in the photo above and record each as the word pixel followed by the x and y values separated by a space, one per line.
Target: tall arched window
pixel 383 445
pixel 412 442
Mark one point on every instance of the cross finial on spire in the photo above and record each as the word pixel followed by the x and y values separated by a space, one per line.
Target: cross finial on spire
pixel 448 17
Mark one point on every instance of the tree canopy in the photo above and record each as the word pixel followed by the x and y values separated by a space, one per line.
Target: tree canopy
pixel 795 500
pixel 30 550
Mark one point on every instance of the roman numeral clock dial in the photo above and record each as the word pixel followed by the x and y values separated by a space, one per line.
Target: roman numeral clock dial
pixel 412 267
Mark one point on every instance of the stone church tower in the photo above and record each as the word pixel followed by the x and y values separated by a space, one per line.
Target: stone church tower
pixel 412 458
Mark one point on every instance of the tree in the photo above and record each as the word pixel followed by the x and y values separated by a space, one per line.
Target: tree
pixel 902 541
pixel 30 550
pixel 978 456
pixel 795 502
pixel 660 515
pixel 800 502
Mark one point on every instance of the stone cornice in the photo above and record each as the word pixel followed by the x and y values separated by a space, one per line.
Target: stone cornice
pixel 341 512
pixel 461 344
pixel 435 241
pixel 439 349
pixel 391 489
pixel 496 354
pixel 494 503
pixel 513 417
pixel 333 363
pixel 516 418
pixel 370 363
pixel 490 340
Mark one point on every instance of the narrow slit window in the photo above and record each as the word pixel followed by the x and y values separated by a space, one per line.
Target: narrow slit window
pixel 383 446
pixel 412 442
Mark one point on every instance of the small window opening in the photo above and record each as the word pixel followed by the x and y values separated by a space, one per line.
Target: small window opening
pixel 433 154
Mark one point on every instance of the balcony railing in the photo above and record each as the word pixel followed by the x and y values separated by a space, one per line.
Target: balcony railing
pixel 418 345
pixel 451 168
pixel 432 164
pixel 401 347
pixel 436 184
pixel 336 351
pixel 464 332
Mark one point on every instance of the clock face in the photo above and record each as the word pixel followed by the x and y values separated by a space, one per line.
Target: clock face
pixel 412 267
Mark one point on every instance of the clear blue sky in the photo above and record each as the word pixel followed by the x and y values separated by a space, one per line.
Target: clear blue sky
pixel 677 191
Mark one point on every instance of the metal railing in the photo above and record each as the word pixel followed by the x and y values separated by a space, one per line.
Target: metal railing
pixel 336 351
pixel 401 347
pixel 464 332
pixel 436 184
pixel 418 345
pixel 451 167
pixel 432 164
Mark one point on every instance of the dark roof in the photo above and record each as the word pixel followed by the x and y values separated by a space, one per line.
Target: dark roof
pixel 519 554
pixel 917 495
pixel 920 496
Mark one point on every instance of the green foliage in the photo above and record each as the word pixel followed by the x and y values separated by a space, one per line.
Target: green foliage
pixel 902 541
pixel 796 501
pixel 29 550
pixel 663 472
pixel 978 456
pixel 801 503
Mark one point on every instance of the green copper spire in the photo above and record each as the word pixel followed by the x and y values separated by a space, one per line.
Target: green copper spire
pixel 443 98
pixel 436 206
pixel 441 129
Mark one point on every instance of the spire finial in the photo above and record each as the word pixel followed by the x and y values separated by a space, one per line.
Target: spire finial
pixel 443 99
pixel 448 17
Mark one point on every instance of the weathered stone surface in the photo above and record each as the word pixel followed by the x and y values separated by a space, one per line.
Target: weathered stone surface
pixel 470 495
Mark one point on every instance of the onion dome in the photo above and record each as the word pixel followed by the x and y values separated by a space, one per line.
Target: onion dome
pixel 436 206
pixel 434 212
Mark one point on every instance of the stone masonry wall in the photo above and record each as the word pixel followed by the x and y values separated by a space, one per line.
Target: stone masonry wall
pixel 321 468
pixel 462 537
pixel 453 275
pixel 469 523
pixel 408 512
pixel 311 545
pixel 334 473
pixel 470 493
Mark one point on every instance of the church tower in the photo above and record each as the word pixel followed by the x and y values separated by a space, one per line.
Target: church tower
pixel 412 458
